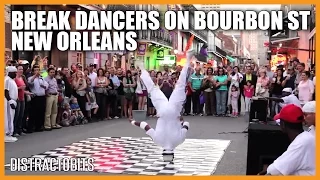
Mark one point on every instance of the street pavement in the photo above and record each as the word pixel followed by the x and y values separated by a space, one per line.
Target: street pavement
pixel 206 127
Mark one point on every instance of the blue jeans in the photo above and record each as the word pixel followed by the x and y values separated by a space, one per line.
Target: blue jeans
pixel 221 98
pixel 18 117
pixel 275 108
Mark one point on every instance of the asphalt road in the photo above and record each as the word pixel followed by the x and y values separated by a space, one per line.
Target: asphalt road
pixel 232 163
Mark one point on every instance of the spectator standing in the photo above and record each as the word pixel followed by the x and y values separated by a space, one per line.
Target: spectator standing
pixel 221 81
pixel 116 83
pixel 305 87
pixel 38 87
pixel 209 93
pixel 51 101
pixel 196 82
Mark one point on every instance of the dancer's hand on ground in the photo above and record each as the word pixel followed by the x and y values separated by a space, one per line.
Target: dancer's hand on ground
pixel 12 106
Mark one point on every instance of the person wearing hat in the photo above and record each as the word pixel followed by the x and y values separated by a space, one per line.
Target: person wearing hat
pixel 287 98
pixel 289 78
pixel 299 158
pixel 10 104
pixel 92 75
pixel 309 110
pixel 170 132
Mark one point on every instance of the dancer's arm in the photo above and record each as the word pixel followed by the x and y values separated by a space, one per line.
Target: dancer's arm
pixel 142 125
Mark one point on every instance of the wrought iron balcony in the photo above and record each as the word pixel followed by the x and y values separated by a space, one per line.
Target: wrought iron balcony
pixel 203 34
pixel 120 7
pixel 161 37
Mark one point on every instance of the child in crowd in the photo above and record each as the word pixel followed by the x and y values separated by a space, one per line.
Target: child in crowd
pixel 75 109
pixel 91 103
pixel 68 118
pixel 234 100
pixel 248 93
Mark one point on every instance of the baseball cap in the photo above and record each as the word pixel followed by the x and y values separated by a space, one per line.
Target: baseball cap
pixel 276 117
pixel 289 90
pixel 91 65
pixel 24 62
pixel 309 107
pixel 291 114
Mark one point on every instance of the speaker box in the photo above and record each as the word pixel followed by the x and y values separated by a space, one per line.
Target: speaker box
pixel 265 144
pixel 258 110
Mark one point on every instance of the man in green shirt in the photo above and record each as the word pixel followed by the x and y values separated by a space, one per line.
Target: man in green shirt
pixel 195 83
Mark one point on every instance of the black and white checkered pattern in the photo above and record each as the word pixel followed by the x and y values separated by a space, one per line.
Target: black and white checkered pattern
pixel 140 156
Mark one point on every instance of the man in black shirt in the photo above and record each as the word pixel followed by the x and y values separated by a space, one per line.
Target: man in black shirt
pixel 289 81
pixel 120 91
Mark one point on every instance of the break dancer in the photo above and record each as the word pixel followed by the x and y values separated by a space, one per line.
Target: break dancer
pixel 170 129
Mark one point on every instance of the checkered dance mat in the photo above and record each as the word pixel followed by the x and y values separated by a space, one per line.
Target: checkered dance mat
pixel 140 156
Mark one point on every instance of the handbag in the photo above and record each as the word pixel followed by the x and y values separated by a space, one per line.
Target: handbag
pixel 112 92
pixel 128 94
pixel 102 90
pixel 202 99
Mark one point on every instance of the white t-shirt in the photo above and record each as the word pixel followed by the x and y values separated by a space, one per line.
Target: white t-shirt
pixel 291 99
pixel 285 74
pixel 234 79
pixel 93 77
pixel 314 80
pixel 298 159
pixel 312 130
pixel 12 87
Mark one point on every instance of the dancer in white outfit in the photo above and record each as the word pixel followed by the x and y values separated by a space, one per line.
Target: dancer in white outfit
pixel 170 131
pixel 10 102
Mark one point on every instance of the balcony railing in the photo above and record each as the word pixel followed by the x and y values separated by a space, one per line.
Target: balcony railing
pixel 159 36
pixel 120 7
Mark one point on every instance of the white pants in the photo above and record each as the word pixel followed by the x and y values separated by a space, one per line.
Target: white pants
pixel 234 105
pixel 9 116
pixel 247 103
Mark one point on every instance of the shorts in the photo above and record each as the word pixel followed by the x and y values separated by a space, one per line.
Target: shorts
pixel 144 93
pixel 91 106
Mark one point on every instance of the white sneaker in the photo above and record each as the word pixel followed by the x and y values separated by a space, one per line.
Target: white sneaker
pixel 10 139
pixel 116 117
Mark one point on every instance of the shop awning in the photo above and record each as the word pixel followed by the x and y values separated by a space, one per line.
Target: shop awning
pixel 218 54
pixel 230 59
pixel 220 51
pixel 284 40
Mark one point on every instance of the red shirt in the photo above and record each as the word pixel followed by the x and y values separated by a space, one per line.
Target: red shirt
pixel 20 82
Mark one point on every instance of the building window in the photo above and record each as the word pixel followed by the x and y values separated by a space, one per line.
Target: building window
pixel 80 58
pixel 312 49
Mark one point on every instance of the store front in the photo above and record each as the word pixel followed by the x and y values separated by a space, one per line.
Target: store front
pixel 152 54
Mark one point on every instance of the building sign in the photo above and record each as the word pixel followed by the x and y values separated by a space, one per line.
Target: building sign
pixel 168 60
pixel 142 47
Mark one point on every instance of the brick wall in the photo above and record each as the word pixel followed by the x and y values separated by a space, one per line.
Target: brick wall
pixel 7 29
